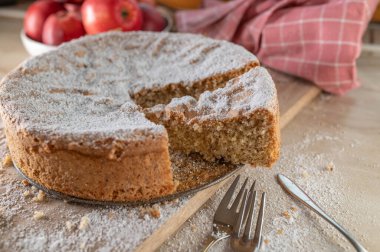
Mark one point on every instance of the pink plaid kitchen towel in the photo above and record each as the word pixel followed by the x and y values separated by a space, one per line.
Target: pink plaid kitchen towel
pixel 313 39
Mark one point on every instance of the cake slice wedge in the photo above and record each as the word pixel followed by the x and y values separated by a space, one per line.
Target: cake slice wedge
pixel 237 123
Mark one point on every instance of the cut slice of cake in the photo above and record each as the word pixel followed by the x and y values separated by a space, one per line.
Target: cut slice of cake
pixel 238 122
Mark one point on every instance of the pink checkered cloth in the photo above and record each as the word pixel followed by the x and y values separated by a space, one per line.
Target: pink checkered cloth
pixel 313 39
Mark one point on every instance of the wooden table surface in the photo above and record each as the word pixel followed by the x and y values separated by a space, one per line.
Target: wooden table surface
pixel 357 115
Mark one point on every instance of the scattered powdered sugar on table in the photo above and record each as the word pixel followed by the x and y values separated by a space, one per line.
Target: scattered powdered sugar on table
pixel 306 158
pixel 53 225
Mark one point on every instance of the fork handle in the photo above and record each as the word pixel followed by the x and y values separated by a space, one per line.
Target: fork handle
pixel 299 194
pixel 213 241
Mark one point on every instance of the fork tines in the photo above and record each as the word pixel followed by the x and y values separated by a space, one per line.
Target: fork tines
pixel 245 241
pixel 231 219
pixel 224 210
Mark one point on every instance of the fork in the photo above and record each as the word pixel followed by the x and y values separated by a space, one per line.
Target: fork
pixel 225 217
pixel 245 242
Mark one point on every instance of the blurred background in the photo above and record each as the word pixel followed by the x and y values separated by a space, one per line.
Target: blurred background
pixel 318 40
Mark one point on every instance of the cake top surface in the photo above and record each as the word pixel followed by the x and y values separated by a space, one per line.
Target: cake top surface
pixel 82 91
pixel 241 96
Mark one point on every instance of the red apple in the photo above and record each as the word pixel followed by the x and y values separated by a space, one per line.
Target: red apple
pixel 61 27
pixel 104 15
pixel 153 20
pixel 36 15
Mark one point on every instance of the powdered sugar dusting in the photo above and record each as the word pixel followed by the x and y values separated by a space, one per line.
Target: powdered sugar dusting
pixel 251 91
pixel 81 93
pixel 241 96
pixel 85 86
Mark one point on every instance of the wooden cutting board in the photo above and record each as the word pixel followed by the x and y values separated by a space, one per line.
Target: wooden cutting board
pixel 293 95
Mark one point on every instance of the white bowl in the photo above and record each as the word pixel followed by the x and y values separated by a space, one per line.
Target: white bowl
pixel 35 48
pixel 168 15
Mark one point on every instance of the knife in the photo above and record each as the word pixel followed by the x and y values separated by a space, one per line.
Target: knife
pixel 291 188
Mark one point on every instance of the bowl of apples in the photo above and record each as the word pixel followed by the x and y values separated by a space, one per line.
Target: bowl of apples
pixel 49 23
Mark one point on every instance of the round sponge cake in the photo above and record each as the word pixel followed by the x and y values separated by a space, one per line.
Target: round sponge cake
pixel 74 118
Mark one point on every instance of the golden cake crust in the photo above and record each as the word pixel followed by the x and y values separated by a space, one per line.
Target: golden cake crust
pixel 91 176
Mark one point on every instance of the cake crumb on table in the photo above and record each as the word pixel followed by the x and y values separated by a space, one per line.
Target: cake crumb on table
pixel 25 182
pixel 70 226
pixel 84 223
pixel 305 174
pixel 39 215
pixel 155 212
pixel 330 166
pixel 40 196
pixel 286 215
pixel 193 227
pixel 111 215
pixel 27 193
pixel 294 209
pixel 7 160
pixel 142 211
pixel 280 231
pixel 266 241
